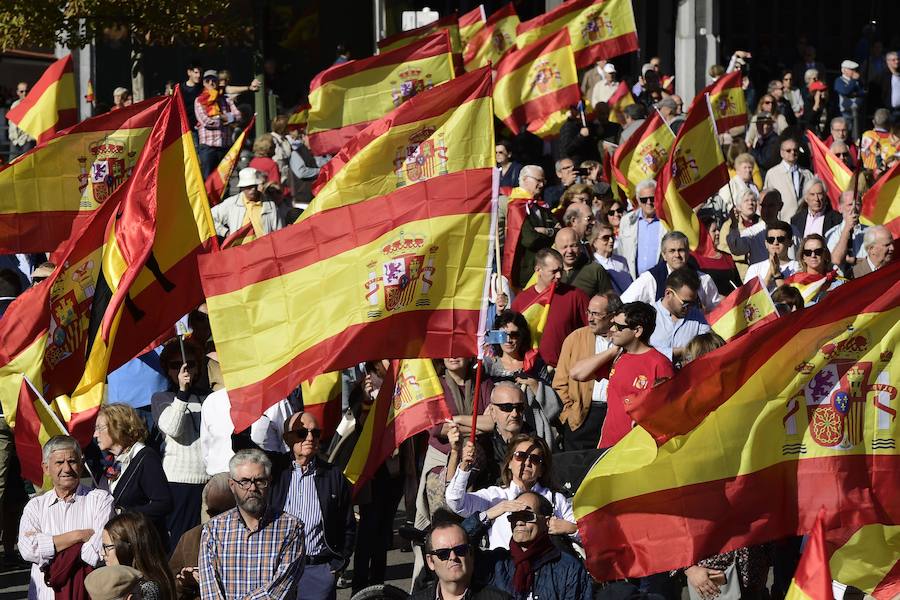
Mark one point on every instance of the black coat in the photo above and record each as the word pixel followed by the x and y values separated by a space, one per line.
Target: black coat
pixel 335 499
pixel 477 592
pixel 144 488
pixel 798 221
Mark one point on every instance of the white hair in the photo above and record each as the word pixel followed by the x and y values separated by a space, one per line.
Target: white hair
pixel 871 234
pixel 252 455
pixel 674 236
pixel 58 443
pixel 646 184
pixel 812 182
pixel 529 171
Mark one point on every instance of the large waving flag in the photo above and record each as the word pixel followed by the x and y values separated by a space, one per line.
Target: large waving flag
pixel 448 24
pixel 346 98
pixel 517 209
pixel 694 171
pixel 881 204
pixel 410 400
pixel 392 260
pixel 867 558
pixel 470 24
pixel 830 169
pixel 217 182
pixel 643 154
pixel 598 29
pixel 51 104
pixel 751 439
pixel 48 193
pixel 618 101
pixel 812 579
pixel 729 105
pixel 536 82
pixel 742 311
pixel 494 40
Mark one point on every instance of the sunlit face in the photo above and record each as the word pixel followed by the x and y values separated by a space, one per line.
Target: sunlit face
pixel 193 75
pixel 777 241
pixel 647 200
pixel 680 301
pixel 675 253
pixel 108 550
pixel 526 463
pixel 789 151
pixel 748 205
pixel 513 339
pixel 567 245
pixel 549 270
pixel 605 242
pixel 839 131
pixel 598 316
pixel 502 154
pixel 744 171
pixel 64 468
pixel 814 256
pixel 614 214
pixel 815 198
pixel 101 433
pixel 881 251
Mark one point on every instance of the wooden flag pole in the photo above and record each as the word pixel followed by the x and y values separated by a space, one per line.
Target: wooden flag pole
pixel 475 396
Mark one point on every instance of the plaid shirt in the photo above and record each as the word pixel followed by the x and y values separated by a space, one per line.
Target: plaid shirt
pixel 238 563
pixel 214 131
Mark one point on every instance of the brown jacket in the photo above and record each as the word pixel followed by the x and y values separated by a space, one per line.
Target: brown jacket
pixel 574 395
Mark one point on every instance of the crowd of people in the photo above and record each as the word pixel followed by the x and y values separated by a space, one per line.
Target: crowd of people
pixel 182 506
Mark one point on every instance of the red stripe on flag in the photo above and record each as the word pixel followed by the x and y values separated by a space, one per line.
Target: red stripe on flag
pixel 527 55
pixel 542 107
pixel 27 436
pixel 65 117
pixel 550 16
pixel 621 44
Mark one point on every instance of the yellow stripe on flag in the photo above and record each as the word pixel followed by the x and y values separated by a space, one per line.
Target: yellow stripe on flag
pixel 43 116
pixel 545 76
pixel 26 364
pixel 867 557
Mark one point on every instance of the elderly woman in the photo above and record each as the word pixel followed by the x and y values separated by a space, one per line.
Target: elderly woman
pixel 766 105
pixel 133 473
pixel 130 540
pixel 177 414
pixel 732 192
pixel 603 241
pixel 744 217
pixel 528 465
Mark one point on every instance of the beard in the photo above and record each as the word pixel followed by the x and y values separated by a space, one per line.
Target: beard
pixel 253 504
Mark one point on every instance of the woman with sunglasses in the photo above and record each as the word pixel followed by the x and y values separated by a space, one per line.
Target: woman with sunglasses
pixel 132 472
pixel 528 466
pixel 603 242
pixel 815 263
pixel 131 541
pixel 177 414
pixel 612 213
pixel 765 106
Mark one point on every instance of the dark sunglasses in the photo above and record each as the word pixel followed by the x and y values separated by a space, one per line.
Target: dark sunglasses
pixel 647 200
pixel 444 553
pixel 607 237
pixel 510 406
pixel 813 251
pixel 619 326
pixel 771 239
pixel 521 516
pixel 615 211
pixel 513 335
pixel 535 459
pixel 301 433
pixel 176 364
pixel 842 154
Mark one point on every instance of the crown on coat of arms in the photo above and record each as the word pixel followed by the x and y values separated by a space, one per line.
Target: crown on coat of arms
pixel 403 244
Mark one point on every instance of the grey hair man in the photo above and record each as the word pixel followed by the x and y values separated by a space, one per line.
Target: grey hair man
pixel 879 247
pixel 532 180
pixel 845 240
pixel 641 230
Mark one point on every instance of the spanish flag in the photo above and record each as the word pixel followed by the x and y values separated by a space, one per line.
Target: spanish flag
pixel 830 169
pixel 450 24
pixel 299 117
pixel 643 154
pixel 517 209
pixel 36 423
pixel 346 98
pixel 726 97
pixel 217 182
pixel 743 310
pixel 322 399
pixel 494 40
pixel 812 579
pixel 536 82
pixel 548 128
pixel 867 559
pixel 752 438
pixel 598 29
pixel 243 235
pixel 618 101
pixel 813 286
pixel 470 24
pixel 410 401
pixel 536 313
pixel 47 194
pixel 881 204
pixel 390 259
pixel 694 171
pixel 51 105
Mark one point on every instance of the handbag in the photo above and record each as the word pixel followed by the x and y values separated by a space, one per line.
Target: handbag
pixel 730 591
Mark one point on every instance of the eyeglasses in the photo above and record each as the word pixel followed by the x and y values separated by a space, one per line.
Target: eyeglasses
pixel 766 102
pixel 176 364
pixel 647 200
pixel 510 406
pixel 682 300
pixel 522 456
pixel 776 239
pixel 245 484
pixel 536 179
pixel 607 237
pixel 444 553
pixel 619 326
pixel 21 91
pixel 615 211
pixel 301 433
pixel 521 516
pixel 597 315
pixel 813 251
pixel 513 335
pixel 842 154
pixel 107 547
pixel 100 428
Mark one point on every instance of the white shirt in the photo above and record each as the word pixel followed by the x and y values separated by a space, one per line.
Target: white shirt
pixel 124 460
pixel 613 262
pixel 46 516
pixel 603 91
pixel 670 334
pixel 814 224
pixel 855 247
pixel 601 344
pixel 761 268
pixel 266 432
pixel 644 290
pixel 468 503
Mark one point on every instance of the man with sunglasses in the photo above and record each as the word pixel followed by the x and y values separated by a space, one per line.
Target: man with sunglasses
pixel 19 141
pixel 641 231
pixel 788 177
pixel 317 493
pixel 678 315
pixel 773 271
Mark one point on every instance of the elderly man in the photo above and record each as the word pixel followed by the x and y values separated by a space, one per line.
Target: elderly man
pixel 840 132
pixel 317 493
pixel 879 247
pixel 640 231
pixel 568 307
pixel 253 550
pixel 678 316
pixel 788 178
pixel 538 225
pixel 247 206
pixel 845 240
pixel 816 216
pixel 579 217
pixel 578 270
pixel 850 92
pixel 603 90
pixel 565 171
pixel 584 403
pixel 650 286
pixel 67 519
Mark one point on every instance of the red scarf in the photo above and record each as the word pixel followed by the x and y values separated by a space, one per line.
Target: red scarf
pixel 523 560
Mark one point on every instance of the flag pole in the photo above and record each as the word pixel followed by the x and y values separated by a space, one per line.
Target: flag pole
pixel 479 368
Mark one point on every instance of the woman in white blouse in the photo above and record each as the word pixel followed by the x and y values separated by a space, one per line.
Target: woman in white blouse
pixel 526 467
pixel 602 241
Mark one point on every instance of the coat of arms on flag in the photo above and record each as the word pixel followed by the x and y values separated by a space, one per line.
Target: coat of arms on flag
pixel 411 82
pixel 423 157
pixel 684 168
pixel 112 165
pixel 545 77
pixel 405 261
pixel 652 158
pixel 597 27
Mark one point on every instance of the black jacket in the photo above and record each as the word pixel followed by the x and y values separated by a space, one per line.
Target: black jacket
pixel 798 221
pixel 144 488
pixel 477 592
pixel 335 499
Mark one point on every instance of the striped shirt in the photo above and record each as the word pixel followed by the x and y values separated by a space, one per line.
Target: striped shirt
pixel 46 516
pixel 303 502
pixel 238 563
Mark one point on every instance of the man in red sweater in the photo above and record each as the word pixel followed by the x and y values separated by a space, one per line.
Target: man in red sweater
pixel 568 306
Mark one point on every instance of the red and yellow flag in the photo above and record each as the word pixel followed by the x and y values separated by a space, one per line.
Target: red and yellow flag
pixel 618 101
pixel 299 117
pixel 51 104
pixel 643 154
pixel 598 29
pixel 813 286
pixel 516 212
pixel 743 310
pixel 36 423
pixel 389 260
pixel 322 399
pixel 812 579
pixel 881 204
pixel 450 24
pixel 494 40
pixel 748 441
pixel 536 313
pixel 243 235
pixel 410 400
pixel 830 169
pixel 867 559
pixel 470 24
pixel 346 98
pixel 694 171
pixel 47 194
pixel 536 82
pixel 217 182
pixel 729 105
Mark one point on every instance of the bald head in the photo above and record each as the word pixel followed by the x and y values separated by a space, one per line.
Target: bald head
pixel 566 243
pixel 218 495
pixel 580 218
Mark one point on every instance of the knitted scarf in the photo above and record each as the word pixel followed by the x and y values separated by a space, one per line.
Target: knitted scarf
pixel 524 560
